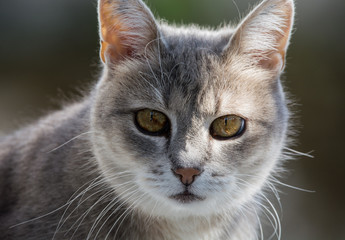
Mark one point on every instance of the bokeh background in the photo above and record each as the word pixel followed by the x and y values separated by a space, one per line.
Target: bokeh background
pixel 48 48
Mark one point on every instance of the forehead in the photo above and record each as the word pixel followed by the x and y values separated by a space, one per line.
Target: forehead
pixel 211 86
pixel 190 75
pixel 193 39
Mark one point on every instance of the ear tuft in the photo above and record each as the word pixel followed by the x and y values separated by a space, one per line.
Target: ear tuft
pixel 126 27
pixel 265 33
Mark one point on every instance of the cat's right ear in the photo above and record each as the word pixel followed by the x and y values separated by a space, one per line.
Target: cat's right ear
pixel 127 28
pixel 263 36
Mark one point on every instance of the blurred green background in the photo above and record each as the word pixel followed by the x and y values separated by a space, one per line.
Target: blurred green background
pixel 50 47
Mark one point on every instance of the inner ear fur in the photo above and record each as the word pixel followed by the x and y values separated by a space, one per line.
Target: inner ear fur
pixel 263 36
pixel 126 28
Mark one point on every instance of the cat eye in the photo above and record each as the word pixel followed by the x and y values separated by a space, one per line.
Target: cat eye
pixel 227 127
pixel 152 122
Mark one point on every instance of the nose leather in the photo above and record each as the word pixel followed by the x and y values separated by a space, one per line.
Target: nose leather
pixel 187 175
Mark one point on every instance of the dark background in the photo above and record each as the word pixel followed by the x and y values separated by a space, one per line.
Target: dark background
pixel 50 47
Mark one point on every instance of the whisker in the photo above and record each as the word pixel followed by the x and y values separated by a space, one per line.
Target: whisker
pixel 36 218
pixel 117 208
pixel 124 215
pixel 75 209
pixel 151 85
pixel 260 224
pixel 148 220
pixel 106 209
pixel 69 202
pixel 147 60
pixel 159 58
pixel 273 179
pixel 83 216
pixel 172 69
pixel 72 139
pixel 276 194
pixel 297 153
pixel 290 186
pixel 275 216
pixel 93 185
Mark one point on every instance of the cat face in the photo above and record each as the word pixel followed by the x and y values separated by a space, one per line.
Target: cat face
pixel 188 122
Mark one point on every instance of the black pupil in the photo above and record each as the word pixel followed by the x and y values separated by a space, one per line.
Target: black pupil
pixel 151 116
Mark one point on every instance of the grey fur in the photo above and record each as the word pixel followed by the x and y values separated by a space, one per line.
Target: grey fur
pixel 87 172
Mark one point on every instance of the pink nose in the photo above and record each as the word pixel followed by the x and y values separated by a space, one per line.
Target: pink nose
pixel 187 175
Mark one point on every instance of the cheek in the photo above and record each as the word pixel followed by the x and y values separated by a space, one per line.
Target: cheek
pixel 250 154
pixel 141 146
pixel 121 133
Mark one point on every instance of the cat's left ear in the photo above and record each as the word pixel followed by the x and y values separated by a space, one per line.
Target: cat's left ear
pixel 263 36
pixel 126 29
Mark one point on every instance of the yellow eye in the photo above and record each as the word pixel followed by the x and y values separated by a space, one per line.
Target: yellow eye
pixel 227 127
pixel 152 122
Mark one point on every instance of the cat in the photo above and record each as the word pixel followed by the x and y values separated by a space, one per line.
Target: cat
pixel 177 140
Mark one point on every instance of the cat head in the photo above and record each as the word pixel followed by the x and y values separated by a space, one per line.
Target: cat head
pixel 189 121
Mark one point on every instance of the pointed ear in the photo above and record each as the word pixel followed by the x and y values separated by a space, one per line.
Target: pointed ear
pixel 264 34
pixel 126 28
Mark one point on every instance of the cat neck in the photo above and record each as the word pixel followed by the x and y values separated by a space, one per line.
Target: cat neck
pixel 226 226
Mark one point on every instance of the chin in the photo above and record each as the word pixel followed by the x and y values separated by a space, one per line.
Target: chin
pixel 184 206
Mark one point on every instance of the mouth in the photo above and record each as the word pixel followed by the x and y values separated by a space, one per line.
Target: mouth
pixel 186 197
